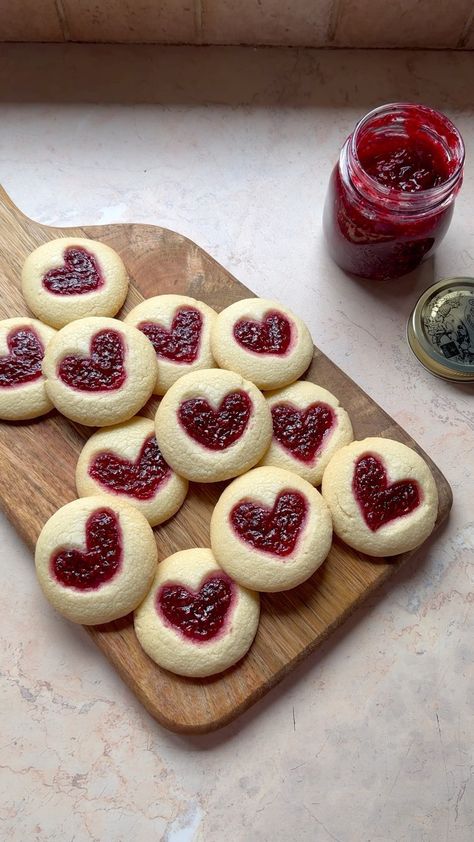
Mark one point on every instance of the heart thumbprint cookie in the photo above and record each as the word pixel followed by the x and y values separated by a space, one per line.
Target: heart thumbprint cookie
pixel 309 426
pixel 23 342
pixel 212 425
pixel 71 278
pixel 125 462
pixel 196 621
pixel 263 341
pixel 95 560
pixel 382 496
pixel 99 371
pixel 270 530
pixel 179 328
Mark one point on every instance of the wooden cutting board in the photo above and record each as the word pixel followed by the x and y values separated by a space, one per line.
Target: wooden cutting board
pixel 38 461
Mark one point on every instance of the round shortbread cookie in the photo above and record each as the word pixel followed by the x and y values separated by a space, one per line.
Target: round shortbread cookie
pixel 212 425
pixel 270 530
pixel 382 496
pixel 22 387
pixel 179 329
pixel 262 340
pixel 99 371
pixel 71 278
pixel 125 462
pixel 309 426
pixel 196 621
pixel 95 560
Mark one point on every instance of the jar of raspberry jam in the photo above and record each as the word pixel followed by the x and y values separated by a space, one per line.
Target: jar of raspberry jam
pixel 391 195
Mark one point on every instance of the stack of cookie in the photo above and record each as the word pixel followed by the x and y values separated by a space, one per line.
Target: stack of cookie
pixel 232 408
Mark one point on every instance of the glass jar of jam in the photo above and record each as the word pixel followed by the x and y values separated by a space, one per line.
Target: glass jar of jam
pixel 391 194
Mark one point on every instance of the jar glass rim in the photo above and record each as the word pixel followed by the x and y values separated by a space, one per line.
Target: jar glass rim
pixel 393 196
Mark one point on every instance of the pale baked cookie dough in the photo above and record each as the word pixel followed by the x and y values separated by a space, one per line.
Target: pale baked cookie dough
pixel 125 462
pixel 95 560
pixel 22 388
pixel 212 425
pixel 270 530
pixel 99 371
pixel 262 340
pixel 71 278
pixel 382 496
pixel 179 329
pixel 309 426
pixel 196 621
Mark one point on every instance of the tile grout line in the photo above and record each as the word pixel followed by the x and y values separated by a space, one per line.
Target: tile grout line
pixel 62 20
pixel 466 31
pixel 198 21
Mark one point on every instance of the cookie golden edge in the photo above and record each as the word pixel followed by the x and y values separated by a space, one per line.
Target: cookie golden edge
pixel 302 393
pixel 168 648
pixel 94 409
pixel 28 400
pixel 114 599
pixel 130 436
pixel 404 534
pixel 60 310
pixel 193 460
pixel 161 309
pixel 255 568
pixel 267 371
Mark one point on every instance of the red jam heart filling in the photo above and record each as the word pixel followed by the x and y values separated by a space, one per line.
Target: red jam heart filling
pixel 140 479
pixel 271 336
pixel 79 274
pixel 302 432
pixel 23 362
pixel 216 429
pixel 181 343
pixel 88 569
pixel 198 616
pixel 273 530
pixel 381 502
pixel 102 371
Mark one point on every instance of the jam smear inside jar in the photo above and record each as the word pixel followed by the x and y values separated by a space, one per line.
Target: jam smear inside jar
pixel 391 195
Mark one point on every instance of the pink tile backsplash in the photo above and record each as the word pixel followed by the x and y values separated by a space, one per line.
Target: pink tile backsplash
pixel 326 23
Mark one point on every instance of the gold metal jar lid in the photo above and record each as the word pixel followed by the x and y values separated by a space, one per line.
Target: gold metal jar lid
pixel 440 329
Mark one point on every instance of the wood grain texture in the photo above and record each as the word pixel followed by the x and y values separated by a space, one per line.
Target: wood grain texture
pixel 38 460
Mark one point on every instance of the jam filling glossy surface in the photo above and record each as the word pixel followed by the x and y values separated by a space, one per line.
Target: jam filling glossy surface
pixel 270 336
pixel 273 530
pixel 79 274
pixel 381 502
pixel 180 343
pixel 216 429
pixel 407 164
pixel 23 362
pixel 302 432
pixel 201 615
pixel 103 371
pixel 88 569
pixel 140 479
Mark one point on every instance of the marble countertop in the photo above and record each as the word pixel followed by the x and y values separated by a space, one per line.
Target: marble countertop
pixel 369 740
